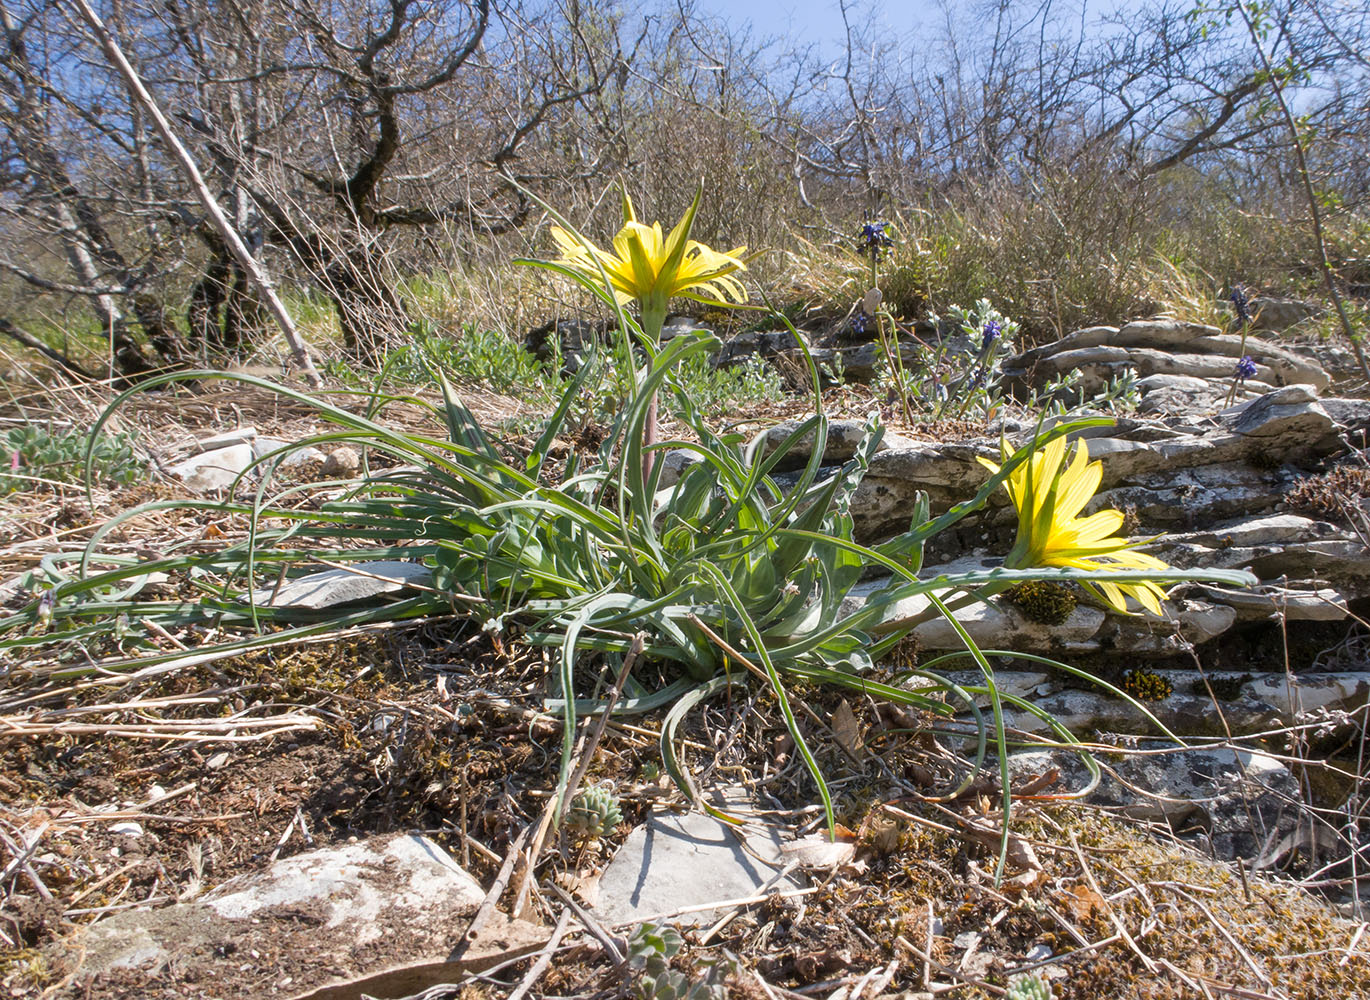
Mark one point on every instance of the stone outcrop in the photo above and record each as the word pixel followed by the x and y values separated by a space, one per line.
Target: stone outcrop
pixel 1204 477
pixel 1160 347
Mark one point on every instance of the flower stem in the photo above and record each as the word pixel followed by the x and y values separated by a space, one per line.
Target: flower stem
pixel 653 319
pixel 893 356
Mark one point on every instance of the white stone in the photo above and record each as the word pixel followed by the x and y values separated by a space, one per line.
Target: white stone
pixel 341 879
pixel 1315 604
pixel 342 461
pixel 297 456
pixel 216 470
pixel 351 895
pixel 674 861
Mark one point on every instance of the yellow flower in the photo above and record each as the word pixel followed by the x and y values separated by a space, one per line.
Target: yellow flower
pixel 1051 532
pixel 652 268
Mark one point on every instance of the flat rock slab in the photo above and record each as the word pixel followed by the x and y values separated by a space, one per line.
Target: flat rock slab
pixel 296 456
pixel 335 587
pixel 1235 803
pixel 335 912
pixel 676 861
pixel 1249 703
pixel 216 470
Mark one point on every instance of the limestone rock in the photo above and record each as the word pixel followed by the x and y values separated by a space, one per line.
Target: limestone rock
pixel 998 624
pixel 1167 394
pixel 768 344
pixel 674 861
pixel 677 325
pixel 1289 368
pixel 1162 347
pixel 1302 602
pixel 948 473
pixel 215 470
pixel 1231 799
pixel 673 465
pixel 225 439
pixel 345 909
pixel 860 364
pixel 1270 312
pixel 1287 419
pixel 1353 414
pixel 1199 495
pixel 1249 703
pixel 844 436
pixel 569 338
pixel 262 446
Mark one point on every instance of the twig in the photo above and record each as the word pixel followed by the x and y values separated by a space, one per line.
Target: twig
pixel 544 957
pixel 185 730
pixel 21 858
pixel 611 947
pixel 119 906
pixel 285 834
pixel 1261 974
pixel 596 734
pixel 719 905
pixel 1094 884
pixel 1355 939
pixel 728 917
pixel 497 887
pixel 964 977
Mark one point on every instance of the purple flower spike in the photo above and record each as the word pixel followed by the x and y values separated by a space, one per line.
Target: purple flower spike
pixel 1246 368
pixel 1241 305
pixel 991 333
pixel 875 239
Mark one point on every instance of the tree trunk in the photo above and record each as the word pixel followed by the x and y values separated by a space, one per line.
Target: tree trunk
pixel 370 314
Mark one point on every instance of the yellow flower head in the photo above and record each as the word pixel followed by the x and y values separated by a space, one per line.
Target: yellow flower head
pixel 652 268
pixel 1051 532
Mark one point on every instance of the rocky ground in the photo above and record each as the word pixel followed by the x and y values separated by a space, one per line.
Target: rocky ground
pixel 364 815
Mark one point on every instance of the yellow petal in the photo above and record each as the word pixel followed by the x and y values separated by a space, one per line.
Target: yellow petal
pixel 1096 527
pixel 1078 484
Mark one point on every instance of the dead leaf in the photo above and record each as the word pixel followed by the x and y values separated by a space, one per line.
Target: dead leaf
pixel 1025 882
pixel 583 887
pixel 1037 783
pixel 880 832
pixel 1020 852
pixel 1082 901
pixel 817 851
pixel 813 965
pixel 848 731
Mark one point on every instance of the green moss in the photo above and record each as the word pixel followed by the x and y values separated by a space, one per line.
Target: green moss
pixel 1147 685
pixel 1042 601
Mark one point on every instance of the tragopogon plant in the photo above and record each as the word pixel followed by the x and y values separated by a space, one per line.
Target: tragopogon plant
pixel 729 572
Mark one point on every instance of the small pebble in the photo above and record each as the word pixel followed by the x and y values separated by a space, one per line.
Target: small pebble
pixel 342 461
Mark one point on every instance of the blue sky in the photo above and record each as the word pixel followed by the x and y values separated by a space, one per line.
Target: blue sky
pixel 817 21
